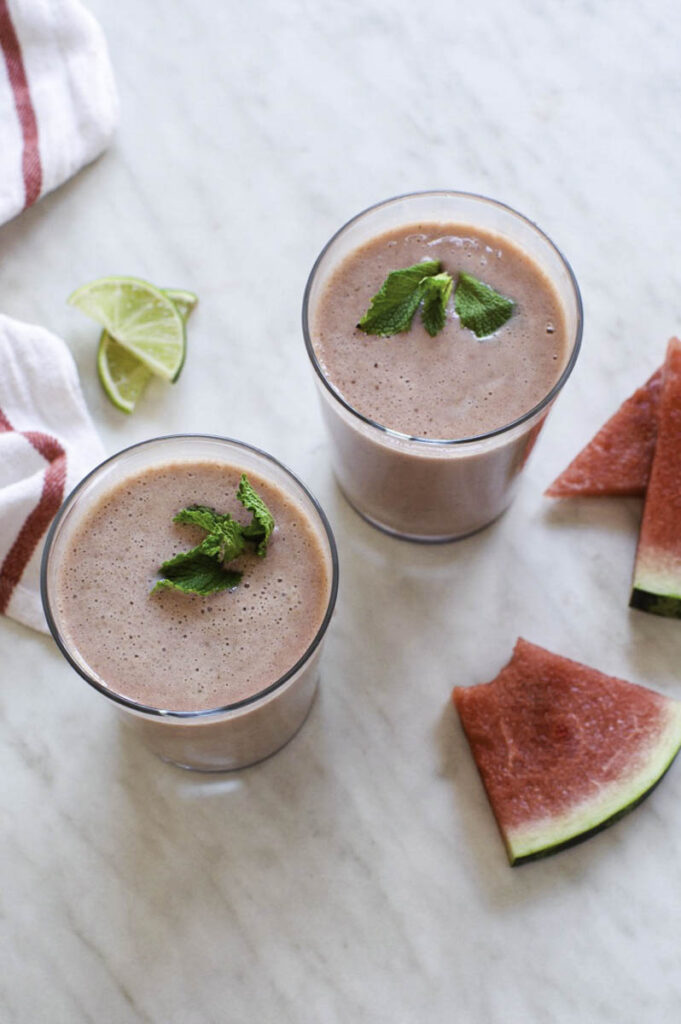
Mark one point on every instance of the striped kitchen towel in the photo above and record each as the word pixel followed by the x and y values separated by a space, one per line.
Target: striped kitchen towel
pixel 47 444
pixel 58 105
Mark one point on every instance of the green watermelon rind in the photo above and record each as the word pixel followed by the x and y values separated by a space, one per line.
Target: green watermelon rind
pixel 551 834
pixel 657 592
pixel 668 605
pixel 656 586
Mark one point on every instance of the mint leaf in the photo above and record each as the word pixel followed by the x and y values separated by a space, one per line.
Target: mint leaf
pixel 262 523
pixel 479 307
pixel 195 572
pixel 392 308
pixel 230 536
pixel 437 292
pixel 225 537
pixel 200 515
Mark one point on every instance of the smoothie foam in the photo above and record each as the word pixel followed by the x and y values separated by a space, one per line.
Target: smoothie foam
pixel 181 651
pixel 453 385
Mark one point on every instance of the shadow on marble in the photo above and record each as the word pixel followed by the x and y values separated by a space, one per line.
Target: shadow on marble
pixel 607 515
pixel 196 850
pixel 145 776
pixel 653 646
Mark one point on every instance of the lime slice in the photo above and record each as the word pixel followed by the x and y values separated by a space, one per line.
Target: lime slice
pixel 122 375
pixel 139 317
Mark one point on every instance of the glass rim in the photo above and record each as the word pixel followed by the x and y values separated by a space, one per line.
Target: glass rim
pixel 473 438
pixel 204 713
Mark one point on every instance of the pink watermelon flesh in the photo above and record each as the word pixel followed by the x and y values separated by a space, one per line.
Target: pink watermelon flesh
pixel 618 459
pixel 562 749
pixel 657 573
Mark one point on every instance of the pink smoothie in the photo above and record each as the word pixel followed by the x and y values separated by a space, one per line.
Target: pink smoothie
pixel 454 385
pixel 428 435
pixel 177 651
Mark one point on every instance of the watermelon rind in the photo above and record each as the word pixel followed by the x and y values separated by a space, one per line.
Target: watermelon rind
pixel 656 590
pixel 656 586
pixel 668 605
pixel 549 835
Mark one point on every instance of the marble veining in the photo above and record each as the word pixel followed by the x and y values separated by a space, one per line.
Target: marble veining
pixel 358 875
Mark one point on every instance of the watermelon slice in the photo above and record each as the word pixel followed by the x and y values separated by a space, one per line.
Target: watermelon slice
pixel 657 573
pixel 618 459
pixel 563 750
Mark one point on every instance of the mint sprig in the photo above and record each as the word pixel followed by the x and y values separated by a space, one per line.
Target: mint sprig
pixel 202 570
pixel 479 307
pixel 200 515
pixel 435 299
pixel 262 523
pixel 195 572
pixel 226 537
pixel 392 308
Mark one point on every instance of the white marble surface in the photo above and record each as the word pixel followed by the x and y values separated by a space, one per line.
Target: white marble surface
pixel 358 875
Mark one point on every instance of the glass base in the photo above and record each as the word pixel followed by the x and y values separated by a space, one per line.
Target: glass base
pixel 417 538
pixel 222 769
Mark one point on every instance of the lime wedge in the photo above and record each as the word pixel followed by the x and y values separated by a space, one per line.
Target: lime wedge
pixel 139 317
pixel 123 376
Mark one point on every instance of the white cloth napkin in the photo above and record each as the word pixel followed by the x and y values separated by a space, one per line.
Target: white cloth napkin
pixel 58 104
pixel 47 444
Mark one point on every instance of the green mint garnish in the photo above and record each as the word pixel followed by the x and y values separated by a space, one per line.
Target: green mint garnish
pixel 392 308
pixel 226 542
pixel 479 307
pixel 195 572
pixel 262 523
pixel 435 299
pixel 200 515
pixel 202 569
pixel 226 537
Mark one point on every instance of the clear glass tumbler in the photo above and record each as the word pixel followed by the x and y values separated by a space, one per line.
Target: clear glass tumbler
pixel 226 737
pixel 468 481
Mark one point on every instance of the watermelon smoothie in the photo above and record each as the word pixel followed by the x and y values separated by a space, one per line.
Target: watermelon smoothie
pixel 428 435
pixel 211 682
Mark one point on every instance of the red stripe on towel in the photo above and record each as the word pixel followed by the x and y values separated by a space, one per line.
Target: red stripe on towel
pixel 40 518
pixel 30 160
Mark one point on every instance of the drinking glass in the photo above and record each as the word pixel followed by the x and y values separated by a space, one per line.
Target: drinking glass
pixel 225 737
pixel 419 488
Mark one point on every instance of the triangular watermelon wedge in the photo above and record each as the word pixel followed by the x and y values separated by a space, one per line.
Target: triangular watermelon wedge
pixel 564 750
pixel 657 573
pixel 617 461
